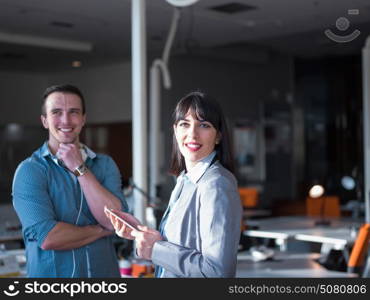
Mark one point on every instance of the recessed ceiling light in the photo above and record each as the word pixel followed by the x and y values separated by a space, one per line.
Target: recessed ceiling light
pixel 76 64
pixel 232 8
pixel 12 55
pixel 182 3
pixel 62 24
pixel 250 23
pixel 156 38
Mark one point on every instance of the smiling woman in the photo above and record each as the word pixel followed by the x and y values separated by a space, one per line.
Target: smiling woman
pixel 196 138
pixel 200 118
pixel 200 230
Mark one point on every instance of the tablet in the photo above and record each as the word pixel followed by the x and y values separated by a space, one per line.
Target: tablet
pixel 120 218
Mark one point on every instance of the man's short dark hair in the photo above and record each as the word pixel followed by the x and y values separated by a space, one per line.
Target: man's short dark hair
pixel 62 88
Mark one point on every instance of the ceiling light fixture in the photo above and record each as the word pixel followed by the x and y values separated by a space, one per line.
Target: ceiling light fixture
pixel 45 42
pixel 316 191
pixel 182 3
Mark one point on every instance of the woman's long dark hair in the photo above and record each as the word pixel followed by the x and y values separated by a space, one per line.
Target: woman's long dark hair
pixel 207 109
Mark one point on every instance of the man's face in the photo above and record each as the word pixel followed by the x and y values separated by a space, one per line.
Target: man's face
pixel 64 118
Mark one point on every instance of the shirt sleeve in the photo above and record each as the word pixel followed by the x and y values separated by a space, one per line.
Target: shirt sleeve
pixel 32 201
pixel 112 181
pixel 219 219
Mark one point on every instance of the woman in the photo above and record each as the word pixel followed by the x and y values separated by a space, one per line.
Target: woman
pixel 200 230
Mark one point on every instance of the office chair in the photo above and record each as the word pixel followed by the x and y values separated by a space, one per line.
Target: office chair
pixel 359 252
pixel 325 206
pixel 248 196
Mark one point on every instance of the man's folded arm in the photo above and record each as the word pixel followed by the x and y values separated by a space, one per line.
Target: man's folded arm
pixel 64 236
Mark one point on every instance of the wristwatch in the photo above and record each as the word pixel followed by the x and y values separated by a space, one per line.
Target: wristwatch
pixel 80 170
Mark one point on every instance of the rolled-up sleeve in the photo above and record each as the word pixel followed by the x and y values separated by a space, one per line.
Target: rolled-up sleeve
pixel 32 202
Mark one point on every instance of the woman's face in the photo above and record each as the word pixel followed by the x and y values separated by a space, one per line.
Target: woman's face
pixel 196 138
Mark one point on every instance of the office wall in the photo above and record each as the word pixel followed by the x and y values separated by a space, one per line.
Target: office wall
pixel 241 86
pixel 20 97
pixel 107 90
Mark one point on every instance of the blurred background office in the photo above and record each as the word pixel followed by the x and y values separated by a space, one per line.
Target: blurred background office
pixel 292 93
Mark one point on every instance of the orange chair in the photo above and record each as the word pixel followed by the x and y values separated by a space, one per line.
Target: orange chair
pixel 248 196
pixel 327 206
pixel 358 255
pixel 249 199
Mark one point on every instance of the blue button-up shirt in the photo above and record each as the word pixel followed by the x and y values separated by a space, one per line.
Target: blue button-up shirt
pixel 45 193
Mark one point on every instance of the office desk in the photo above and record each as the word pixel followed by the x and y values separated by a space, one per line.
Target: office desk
pixel 255 213
pixel 301 222
pixel 10 235
pixel 284 264
pixel 339 235
pixel 13 263
pixel 339 238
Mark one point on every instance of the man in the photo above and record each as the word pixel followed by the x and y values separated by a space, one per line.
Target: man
pixel 59 194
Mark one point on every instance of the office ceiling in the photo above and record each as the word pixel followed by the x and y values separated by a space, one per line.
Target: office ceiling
pixel 243 27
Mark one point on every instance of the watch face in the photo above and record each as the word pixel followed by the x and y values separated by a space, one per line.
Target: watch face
pixel 80 170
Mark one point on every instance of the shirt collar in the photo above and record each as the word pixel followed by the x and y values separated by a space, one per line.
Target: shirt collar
pixel 45 151
pixel 90 154
pixel 198 170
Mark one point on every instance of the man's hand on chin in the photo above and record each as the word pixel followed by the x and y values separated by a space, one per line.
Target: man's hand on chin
pixel 71 156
